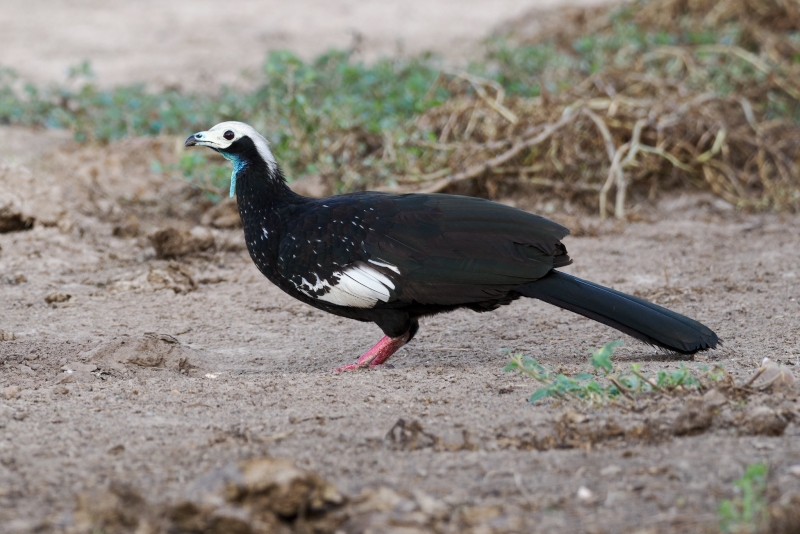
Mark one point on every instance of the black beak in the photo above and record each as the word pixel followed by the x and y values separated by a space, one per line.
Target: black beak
pixel 191 141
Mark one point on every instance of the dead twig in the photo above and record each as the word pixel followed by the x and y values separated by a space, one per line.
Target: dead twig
pixel 506 156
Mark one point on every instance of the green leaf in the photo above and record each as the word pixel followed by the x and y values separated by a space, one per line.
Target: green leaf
pixel 601 358
pixel 538 394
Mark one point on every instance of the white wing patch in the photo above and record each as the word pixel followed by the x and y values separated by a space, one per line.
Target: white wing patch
pixel 357 286
pixel 387 265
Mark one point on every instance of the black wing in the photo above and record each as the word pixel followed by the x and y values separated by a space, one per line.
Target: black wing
pixel 433 249
pixel 455 250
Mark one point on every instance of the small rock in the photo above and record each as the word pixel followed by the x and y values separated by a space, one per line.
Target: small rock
pixel 25 369
pixel 20 415
pixel 585 494
pixel 10 392
pixel 60 390
pixel 57 296
pixel 78 366
pixel 5 335
pixel 429 505
pixel 695 417
pixel 764 421
pixel 117 449
pixel 795 470
pixel 610 471
pixel 571 416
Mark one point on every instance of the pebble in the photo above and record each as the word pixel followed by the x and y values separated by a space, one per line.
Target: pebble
pixel 78 366
pixel 10 392
pixel 585 494
pixel 25 369
pixel 795 470
pixel 611 471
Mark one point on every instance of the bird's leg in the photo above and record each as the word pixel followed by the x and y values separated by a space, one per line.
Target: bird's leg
pixel 377 354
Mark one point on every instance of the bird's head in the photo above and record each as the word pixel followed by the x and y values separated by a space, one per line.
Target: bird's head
pixel 238 142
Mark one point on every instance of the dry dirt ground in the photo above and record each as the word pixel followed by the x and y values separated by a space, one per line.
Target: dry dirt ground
pixel 131 385
pixel 153 372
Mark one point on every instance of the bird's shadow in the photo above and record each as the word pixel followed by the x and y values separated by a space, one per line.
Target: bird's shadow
pixel 659 356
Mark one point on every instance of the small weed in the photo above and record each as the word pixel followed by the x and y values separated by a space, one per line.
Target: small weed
pixel 746 512
pixel 604 385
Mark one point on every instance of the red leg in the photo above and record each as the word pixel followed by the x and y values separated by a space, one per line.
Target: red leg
pixel 377 354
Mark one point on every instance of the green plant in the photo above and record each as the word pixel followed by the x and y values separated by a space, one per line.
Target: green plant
pixel 604 384
pixel 746 512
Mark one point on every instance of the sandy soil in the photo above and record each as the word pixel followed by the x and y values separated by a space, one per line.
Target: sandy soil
pixel 238 369
pixel 120 367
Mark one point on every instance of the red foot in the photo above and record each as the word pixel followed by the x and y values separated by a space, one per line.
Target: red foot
pixel 377 354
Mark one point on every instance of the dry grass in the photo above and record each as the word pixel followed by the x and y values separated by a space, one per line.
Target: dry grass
pixel 654 126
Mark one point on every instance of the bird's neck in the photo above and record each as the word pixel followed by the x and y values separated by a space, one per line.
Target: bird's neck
pixel 261 185
pixel 266 205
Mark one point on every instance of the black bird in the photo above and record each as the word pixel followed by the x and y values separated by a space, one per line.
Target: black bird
pixel 392 259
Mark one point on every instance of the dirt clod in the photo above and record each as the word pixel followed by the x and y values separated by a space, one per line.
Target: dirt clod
pixel 762 420
pixel 118 508
pixel 5 335
pixel 128 227
pixel 12 214
pixel 173 242
pixel 10 392
pixel 785 516
pixel 261 495
pixel 714 398
pixel 57 297
pixel 409 436
pixel 696 417
pixel 146 350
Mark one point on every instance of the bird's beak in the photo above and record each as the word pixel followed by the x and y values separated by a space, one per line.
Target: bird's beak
pixel 197 139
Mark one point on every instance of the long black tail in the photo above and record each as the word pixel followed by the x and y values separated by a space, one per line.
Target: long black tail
pixel 636 317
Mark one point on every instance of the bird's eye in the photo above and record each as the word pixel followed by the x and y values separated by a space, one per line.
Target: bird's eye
pixel 229 135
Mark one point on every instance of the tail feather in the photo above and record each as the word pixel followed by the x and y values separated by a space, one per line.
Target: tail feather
pixel 636 317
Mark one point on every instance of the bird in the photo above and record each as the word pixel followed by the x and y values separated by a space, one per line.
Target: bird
pixel 392 259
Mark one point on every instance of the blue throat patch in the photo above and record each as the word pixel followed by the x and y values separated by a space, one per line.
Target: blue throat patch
pixel 238 165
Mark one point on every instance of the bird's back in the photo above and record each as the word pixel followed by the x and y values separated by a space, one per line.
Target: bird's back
pixel 422 249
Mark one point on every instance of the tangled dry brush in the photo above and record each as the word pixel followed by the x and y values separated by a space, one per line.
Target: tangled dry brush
pixel 656 123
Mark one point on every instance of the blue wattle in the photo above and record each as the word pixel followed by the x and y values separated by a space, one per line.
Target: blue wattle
pixel 238 165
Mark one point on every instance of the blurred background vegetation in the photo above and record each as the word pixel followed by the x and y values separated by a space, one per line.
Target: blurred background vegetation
pixel 635 99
